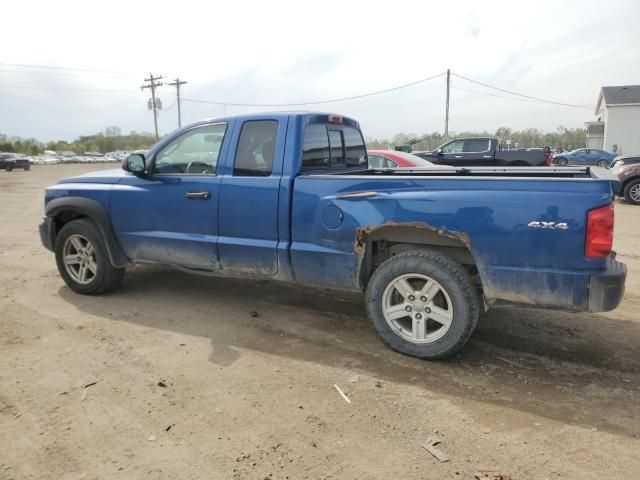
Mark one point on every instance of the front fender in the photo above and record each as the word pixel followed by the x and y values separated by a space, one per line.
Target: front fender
pixel 85 207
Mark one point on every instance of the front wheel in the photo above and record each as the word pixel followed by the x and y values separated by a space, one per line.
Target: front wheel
pixel 83 260
pixel 8 167
pixel 562 162
pixel 423 304
pixel 632 192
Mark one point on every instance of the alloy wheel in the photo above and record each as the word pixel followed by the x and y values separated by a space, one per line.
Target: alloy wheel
pixel 417 308
pixel 79 258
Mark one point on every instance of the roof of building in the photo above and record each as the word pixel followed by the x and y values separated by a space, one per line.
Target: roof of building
pixel 620 95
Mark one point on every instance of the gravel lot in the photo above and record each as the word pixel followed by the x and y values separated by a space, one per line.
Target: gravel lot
pixel 191 385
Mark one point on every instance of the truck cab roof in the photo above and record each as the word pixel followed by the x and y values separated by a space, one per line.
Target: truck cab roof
pixel 313 115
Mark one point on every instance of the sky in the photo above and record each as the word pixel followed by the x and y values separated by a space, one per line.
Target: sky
pixel 272 52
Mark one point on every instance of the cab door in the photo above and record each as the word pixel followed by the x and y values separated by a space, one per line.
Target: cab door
pixel 248 209
pixel 477 152
pixel 467 152
pixel 171 216
pixel 451 153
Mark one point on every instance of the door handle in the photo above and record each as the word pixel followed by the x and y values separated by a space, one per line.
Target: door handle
pixel 198 195
pixel 458 156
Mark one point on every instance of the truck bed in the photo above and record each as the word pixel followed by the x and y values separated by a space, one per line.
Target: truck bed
pixel 489 209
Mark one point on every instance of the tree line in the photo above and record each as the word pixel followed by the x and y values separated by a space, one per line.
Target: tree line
pixel 566 138
pixel 112 139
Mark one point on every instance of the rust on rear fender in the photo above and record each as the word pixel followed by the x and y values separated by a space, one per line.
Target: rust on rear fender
pixel 363 233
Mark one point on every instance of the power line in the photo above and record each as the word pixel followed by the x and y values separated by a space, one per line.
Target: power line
pixel 52 67
pixel 57 70
pixel 170 106
pixel 315 102
pixel 493 95
pixel 62 74
pixel 522 94
pixel 94 90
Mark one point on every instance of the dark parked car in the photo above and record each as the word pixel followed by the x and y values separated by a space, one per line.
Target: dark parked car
pixel 484 152
pixel 584 156
pixel 627 169
pixel 9 161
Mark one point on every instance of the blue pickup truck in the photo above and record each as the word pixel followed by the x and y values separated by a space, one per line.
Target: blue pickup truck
pixel 289 196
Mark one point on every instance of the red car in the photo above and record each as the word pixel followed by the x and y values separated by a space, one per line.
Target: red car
pixel 395 159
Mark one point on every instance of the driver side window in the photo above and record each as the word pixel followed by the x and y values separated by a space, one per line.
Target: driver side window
pixel 454 147
pixel 194 152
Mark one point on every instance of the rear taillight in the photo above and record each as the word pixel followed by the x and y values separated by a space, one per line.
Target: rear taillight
pixel 599 232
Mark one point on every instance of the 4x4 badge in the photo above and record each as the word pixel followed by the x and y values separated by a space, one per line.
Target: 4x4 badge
pixel 549 225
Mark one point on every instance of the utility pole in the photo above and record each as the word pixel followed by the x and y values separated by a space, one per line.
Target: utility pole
pixel 176 83
pixel 446 115
pixel 152 83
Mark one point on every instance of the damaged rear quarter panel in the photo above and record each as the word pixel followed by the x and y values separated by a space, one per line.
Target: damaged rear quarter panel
pixel 490 216
pixel 363 234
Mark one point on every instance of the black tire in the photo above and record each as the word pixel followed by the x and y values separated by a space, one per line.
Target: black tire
pixel 628 194
pixel 106 278
pixel 562 162
pixel 27 167
pixel 9 167
pixel 451 276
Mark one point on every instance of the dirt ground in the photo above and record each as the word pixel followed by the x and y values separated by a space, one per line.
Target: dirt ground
pixel 183 382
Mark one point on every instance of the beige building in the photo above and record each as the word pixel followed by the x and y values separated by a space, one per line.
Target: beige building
pixel 618 127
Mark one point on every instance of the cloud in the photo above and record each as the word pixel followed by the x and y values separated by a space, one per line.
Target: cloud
pixel 472 27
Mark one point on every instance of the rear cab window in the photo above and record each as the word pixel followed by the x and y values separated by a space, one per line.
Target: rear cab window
pixel 256 149
pixel 477 145
pixel 332 147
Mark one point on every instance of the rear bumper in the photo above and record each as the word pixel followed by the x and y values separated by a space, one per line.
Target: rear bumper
pixel 607 288
pixel 47 232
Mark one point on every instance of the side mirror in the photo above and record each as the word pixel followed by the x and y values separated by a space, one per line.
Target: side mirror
pixel 439 151
pixel 135 164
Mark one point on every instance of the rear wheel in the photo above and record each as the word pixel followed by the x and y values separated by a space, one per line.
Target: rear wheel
pixel 603 163
pixel 632 192
pixel 83 260
pixel 27 167
pixel 423 304
pixel 9 167
pixel 562 162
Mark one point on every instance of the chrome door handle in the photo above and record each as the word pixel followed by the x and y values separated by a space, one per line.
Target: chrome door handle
pixel 198 195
